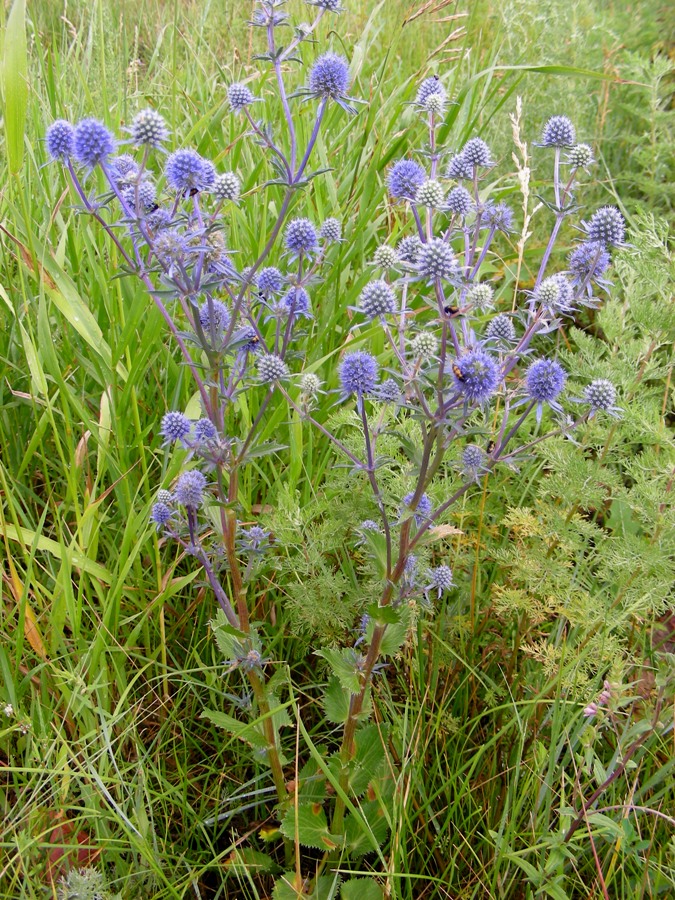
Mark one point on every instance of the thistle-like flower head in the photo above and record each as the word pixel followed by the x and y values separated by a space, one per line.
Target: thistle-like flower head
pixel 148 129
pixel 607 226
pixel 272 368
pixel 558 132
pixel 440 580
pixel 385 257
pixel 329 76
pixel 544 382
pixel 436 260
pixel 331 230
pixel 501 329
pixel 460 168
pixel 93 143
pixel 580 156
pixel 189 490
pixel 239 96
pixel 185 170
pixel 408 249
pixel 269 281
pixel 459 201
pixel 481 296
pixel 424 345
pixel 423 509
pixel 498 216
pixel 358 373
pixel 60 140
pixel 405 178
pixel 476 375
pixel 377 299
pixel 175 427
pixel 226 186
pixel 214 316
pixel 430 193
pixel 477 153
pixel 300 237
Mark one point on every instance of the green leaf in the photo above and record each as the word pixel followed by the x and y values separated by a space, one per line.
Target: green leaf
pixel 369 756
pixel 228 639
pixel 15 84
pixel 312 782
pixel 358 840
pixel 324 888
pixel 344 665
pixel 361 889
pixel 336 702
pixel 383 615
pixel 246 859
pixel 245 731
pixel 311 826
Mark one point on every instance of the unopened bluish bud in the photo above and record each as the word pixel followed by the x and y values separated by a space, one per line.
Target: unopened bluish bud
pixel 404 179
pixel 269 280
pixel 209 176
pixel 226 186
pixel 473 457
pixel 358 373
pixel 331 230
pixel 145 192
pixel 385 257
pixel 430 194
pixel 580 156
pixel 189 490
pixel 170 246
pixel 607 226
pixel 544 380
pixel 498 216
pixel 430 87
pixel 435 104
pixel 600 394
pixel 300 237
pixel 123 168
pixel 377 299
pixel 558 132
pixel 297 302
pixel 239 96
pixel 214 316
pixel 481 296
pixel 423 509
pixel 477 153
pixel 501 329
pixel 93 143
pixel 175 427
pixel 149 129
pixel 441 579
pixel 436 260
pixel 369 525
pixel 272 368
pixel 408 249
pixel 161 515
pixel 329 76
pixel 589 260
pixel 164 496
pixel 389 391
pixel 459 201
pixel 60 140
pixel 424 345
pixel 476 374
pixel 459 168
pixel 205 431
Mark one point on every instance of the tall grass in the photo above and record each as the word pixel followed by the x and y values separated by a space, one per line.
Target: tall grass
pixel 105 652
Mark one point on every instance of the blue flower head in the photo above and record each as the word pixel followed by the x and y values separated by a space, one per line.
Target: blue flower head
pixel 558 132
pixel 239 96
pixel 544 381
pixel 60 140
pixel 436 260
pixel 205 431
pixel 476 375
pixel 423 509
pixel 189 490
pixel 185 170
pixel 175 427
pixel 296 302
pixel 358 373
pixel 272 368
pixel 269 281
pixel 607 226
pixel 226 186
pixel 441 580
pixel 589 262
pixel 459 168
pixel 477 153
pixel 329 76
pixel 431 95
pixel 214 317
pixel 408 249
pixel 123 169
pixel 405 178
pixel 459 201
pixel 300 237
pixel 161 515
pixel 377 299
pixel 501 329
pixel 601 396
pixel 92 143
pixel 498 216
